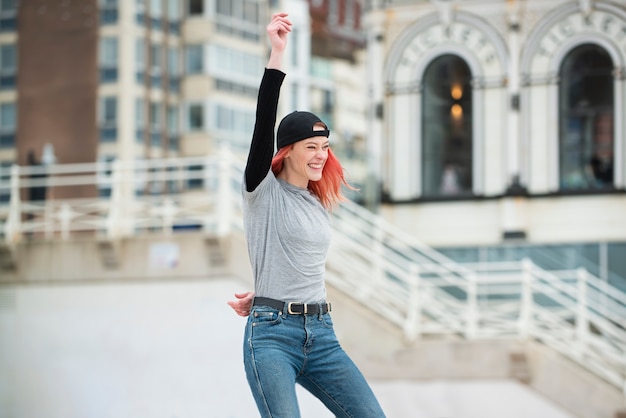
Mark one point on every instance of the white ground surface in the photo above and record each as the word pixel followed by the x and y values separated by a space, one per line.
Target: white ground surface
pixel 173 350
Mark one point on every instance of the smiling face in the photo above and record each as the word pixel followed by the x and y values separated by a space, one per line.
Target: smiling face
pixel 305 160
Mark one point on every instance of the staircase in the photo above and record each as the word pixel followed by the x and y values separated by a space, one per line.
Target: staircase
pixel 426 294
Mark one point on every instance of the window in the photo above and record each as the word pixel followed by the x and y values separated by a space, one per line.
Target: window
pixel 105 174
pixel 5 176
pixel 156 14
pixel 447 128
pixel 140 118
pixel 173 15
pixel 194 59
pixel 8 12
pixel 8 124
pixel 239 18
pixel 295 34
pixel 108 12
pixel 173 68
pixel 295 95
pixel 333 12
pixel 233 125
pixel 155 65
pixel 586 112
pixel 8 66
pixel 108 59
pixel 321 68
pixel 235 65
pixel 195 7
pixel 108 119
pixel 196 177
pixel 173 130
pixel 140 12
pixel 349 14
pixel 236 88
pixel 155 124
pixel 140 60
pixel 196 117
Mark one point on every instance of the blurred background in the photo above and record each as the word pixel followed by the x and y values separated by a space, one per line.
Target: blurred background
pixel 479 270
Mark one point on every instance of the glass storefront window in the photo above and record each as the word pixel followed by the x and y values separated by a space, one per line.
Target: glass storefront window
pixel 586 112
pixel 447 128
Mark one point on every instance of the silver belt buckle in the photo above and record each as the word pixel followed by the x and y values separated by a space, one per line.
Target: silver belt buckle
pixel 292 312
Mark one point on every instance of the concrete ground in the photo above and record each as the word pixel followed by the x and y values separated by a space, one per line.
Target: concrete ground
pixel 173 350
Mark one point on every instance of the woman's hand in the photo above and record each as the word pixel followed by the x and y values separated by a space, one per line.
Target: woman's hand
pixel 242 305
pixel 277 31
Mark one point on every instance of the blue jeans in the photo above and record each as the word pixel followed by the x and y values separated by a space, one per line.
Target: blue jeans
pixel 281 350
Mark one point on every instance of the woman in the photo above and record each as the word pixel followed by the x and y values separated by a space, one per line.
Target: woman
pixel 289 336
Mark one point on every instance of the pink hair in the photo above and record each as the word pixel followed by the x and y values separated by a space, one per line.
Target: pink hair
pixel 328 188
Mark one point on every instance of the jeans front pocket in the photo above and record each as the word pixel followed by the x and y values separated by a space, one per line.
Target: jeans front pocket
pixel 327 320
pixel 262 316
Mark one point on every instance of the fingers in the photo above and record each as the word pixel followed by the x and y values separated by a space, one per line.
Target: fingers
pixel 280 23
pixel 242 305
pixel 244 295
pixel 239 308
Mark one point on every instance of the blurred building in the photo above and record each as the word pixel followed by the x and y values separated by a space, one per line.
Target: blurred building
pixel 497 127
pixel 490 129
pixel 110 80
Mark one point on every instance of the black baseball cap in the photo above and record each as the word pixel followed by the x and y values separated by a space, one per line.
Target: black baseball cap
pixel 297 126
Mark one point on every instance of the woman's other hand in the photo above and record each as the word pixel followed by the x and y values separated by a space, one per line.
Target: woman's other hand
pixel 242 305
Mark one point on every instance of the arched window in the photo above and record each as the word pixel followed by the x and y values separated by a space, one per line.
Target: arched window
pixel 447 128
pixel 586 111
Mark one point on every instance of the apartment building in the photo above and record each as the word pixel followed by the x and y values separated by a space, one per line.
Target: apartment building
pixel 110 80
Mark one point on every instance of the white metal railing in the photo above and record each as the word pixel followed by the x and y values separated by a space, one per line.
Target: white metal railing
pixel 129 198
pixel 413 286
pixel 423 292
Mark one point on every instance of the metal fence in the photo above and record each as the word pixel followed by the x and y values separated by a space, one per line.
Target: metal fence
pixel 423 292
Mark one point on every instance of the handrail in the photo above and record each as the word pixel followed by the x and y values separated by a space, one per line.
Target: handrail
pixel 145 196
pixel 415 287
pixel 423 292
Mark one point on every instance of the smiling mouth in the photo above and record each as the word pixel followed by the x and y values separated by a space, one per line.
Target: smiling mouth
pixel 316 166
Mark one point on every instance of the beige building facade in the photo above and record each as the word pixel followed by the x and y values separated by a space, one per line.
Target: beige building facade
pixel 500 123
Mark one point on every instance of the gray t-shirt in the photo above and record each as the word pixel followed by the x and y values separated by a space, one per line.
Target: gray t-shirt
pixel 288 233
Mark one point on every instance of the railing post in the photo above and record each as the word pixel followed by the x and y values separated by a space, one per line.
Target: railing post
pixel 412 325
pixel 65 218
pixel 113 229
pixel 471 326
pixel 224 201
pixel 168 213
pixel 48 217
pixel 582 317
pixel 526 299
pixel 378 270
pixel 13 227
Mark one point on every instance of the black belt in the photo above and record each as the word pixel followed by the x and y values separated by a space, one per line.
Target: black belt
pixel 294 308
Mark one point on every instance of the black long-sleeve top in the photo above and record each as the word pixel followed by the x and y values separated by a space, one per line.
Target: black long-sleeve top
pixel 262 145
